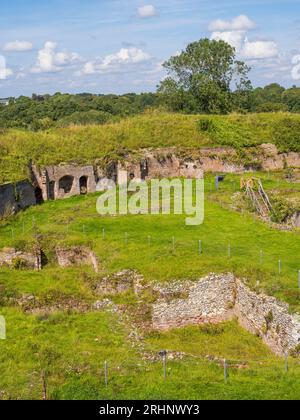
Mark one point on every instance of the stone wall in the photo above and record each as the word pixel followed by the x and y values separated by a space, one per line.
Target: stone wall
pixel 63 181
pixel 11 258
pixel 75 256
pixel 170 163
pixel 15 197
pixel 217 298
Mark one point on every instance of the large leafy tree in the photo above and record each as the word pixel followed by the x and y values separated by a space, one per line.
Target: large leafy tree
pixel 202 77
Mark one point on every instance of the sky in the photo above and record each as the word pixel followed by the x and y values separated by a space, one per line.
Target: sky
pixel 118 46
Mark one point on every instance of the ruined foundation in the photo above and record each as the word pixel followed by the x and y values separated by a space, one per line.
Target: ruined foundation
pixel 219 298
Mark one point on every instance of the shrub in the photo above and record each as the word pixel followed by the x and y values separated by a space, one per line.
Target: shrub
pixel 286 135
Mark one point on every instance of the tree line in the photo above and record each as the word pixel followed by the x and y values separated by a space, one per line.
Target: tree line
pixel 205 78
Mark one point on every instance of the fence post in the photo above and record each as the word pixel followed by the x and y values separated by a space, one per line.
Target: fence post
pixel 200 247
pixel 106 373
pixel 44 384
pixel 279 267
pixel 165 365
pixel 261 256
pixel 286 363
pixel 163 355
pixel 225 371
pixel 103 233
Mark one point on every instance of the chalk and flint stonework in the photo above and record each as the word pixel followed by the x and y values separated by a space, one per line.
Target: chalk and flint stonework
pixel 218 298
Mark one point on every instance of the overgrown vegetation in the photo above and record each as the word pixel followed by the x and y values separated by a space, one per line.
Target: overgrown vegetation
pixel 70 349
pixel 93 144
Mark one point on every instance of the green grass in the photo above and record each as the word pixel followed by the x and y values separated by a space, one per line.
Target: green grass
pixel 226 340
pixel 75 221
pixel 92 144
pixel 72 348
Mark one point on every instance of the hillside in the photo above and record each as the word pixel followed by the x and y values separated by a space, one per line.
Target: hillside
pixel 88 144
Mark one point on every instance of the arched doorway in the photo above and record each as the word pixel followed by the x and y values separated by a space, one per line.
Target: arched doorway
pixel 38 195
pixel 66 184
pixel 83 185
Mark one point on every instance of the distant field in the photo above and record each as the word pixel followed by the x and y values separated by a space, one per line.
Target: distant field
pixel 89 144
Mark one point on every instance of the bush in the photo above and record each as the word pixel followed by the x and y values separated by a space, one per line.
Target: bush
pixel 206 125
pixel 286 135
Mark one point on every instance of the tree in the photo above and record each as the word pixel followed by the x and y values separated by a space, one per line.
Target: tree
pixel 201 77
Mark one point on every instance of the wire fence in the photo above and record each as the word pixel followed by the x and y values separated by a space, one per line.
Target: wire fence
pixel 189 372
pixel 183 244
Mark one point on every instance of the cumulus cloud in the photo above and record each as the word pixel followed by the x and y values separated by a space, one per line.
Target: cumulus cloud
pixel 239 23
pixel 147 11
pixel 296 67
pixel 234 32
pixel 5 72
pixel 115 62
pixel 259 49
pixel 233 38
pixel 18 46
pixel 50 60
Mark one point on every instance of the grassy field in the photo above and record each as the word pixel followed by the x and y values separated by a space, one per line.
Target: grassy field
pixel 72 348
pixel 92 144
pixel 75 221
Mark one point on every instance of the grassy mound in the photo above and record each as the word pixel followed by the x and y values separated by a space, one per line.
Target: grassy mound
pixel 151 130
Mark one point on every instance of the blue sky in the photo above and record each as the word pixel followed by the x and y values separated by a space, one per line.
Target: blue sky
pixel 118 46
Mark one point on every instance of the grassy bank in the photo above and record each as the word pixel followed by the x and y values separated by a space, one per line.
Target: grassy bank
pixel 90 144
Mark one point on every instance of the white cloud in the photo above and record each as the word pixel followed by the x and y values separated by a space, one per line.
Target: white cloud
pixel 147 11
pixel 51 61
pixel 239 23
pixel 115 62
pixel 259 49
pixel 233 38
pixel 234 32
pixel 5 72
pixel 18 46
pixel 296 67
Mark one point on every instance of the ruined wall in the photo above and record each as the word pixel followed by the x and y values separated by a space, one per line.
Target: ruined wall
pixel 264 315
pixel 207 301
pixel 63 181
pixel 11 258
pixel 15 197
pixel 76 256
pixel 272 160
pixel 171 162
pixel 221 297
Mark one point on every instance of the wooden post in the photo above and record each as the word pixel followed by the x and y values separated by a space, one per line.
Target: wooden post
pixel 286 363
pixel 225 371
pixel 44 384
pixel 106 373
pixel 200 248
pixel 279 267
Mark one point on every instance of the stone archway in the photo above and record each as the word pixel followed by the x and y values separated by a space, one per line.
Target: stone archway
pixel 39 195
pixel 83 185
pixel 66 184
